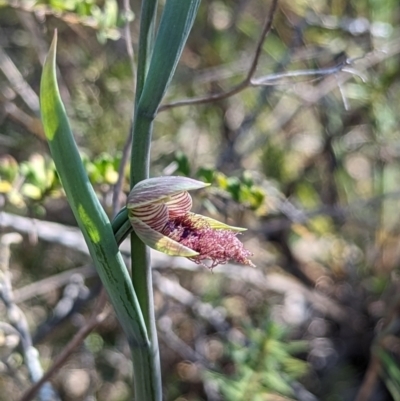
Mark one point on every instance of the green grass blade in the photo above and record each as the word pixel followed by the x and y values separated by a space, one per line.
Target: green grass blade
pixel 390 373
pixel 176 22
pixel 95 227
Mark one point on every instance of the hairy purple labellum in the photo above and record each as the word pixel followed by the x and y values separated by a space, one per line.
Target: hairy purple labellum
pixel 159 211
pixel 219 246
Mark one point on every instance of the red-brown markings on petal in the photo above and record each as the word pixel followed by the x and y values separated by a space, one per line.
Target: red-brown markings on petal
pixel 155 215
pixel 159 188
pixel 179 204
pixel 159 209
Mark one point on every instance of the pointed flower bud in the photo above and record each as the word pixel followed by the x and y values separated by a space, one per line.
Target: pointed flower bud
pixel 159 211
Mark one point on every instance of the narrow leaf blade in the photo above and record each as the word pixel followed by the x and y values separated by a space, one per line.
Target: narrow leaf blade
pixel 91 217
pixel 176 22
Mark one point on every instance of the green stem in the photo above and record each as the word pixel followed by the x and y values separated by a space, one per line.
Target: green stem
pixel 142 280
pixel 140 159
pixel 141 263
pixel 146 367
pixel 156 65
pixel 145 383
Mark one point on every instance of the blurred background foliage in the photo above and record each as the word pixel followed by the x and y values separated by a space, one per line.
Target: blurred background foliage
pixel 310 164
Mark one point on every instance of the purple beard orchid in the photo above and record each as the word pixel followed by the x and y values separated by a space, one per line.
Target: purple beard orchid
pixel 159 211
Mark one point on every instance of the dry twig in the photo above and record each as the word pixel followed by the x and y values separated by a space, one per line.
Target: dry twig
pixel 247 80
pixel 18 320
pixel 97 316
pixel 126 151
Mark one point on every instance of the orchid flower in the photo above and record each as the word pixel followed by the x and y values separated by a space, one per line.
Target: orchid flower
pixel 159 211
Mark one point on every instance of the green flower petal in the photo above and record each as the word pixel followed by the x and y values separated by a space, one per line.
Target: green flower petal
pixel 160 242
pixel 160 188
pixel 217 225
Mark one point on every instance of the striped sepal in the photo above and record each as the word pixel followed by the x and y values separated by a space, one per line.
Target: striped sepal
pixel 160 242
pixel 160 188
pixel 179 204
pixel 154 215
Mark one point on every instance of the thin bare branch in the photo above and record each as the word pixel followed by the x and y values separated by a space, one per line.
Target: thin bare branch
pixel 273 79
pixel 128 38
pixel 16 114
pixel 97 316
pixel 47 284
pixel 126 151
pixel 370 380
pixel 173 341
pixel 266 30
pixel 18 82
pixel 39 44
pixel 18 320
pixel 174 290
pixel 390 330
pixel 247 80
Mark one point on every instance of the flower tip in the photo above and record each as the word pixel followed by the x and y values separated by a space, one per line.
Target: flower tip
pixel 158 189
pixel 238 229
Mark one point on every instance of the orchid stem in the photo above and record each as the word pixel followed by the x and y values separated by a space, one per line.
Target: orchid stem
pixel 141 263
pixel 158 57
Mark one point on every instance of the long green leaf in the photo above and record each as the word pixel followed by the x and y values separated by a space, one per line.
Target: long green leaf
pixel 176 22
pixel 95 225
pixel 146 40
